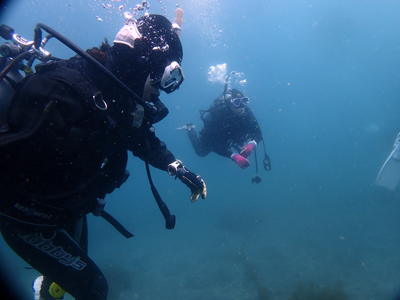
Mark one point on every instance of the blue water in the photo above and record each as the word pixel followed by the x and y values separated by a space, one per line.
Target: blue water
pixel 323 80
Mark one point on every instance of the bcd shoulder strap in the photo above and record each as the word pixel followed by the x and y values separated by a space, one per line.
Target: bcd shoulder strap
pixel 29 113
pixel 72 74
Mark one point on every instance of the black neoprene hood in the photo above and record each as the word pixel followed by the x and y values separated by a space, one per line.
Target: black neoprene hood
pixel 236 94
pixel 162 43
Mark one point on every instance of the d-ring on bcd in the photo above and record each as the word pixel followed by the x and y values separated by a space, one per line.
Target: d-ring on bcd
pixel 96 97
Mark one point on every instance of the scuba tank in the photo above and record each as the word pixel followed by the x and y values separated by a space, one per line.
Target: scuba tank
pixel 10 67
pixel 7 90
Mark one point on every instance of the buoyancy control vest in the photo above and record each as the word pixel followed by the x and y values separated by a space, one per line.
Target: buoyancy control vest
pixel 39 191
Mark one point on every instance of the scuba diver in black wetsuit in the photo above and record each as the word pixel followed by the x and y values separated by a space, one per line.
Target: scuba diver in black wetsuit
pixel 64 143
pixel 230 130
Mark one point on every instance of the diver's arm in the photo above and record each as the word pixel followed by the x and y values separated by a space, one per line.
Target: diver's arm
pixel 156 154
pixel 223 151
pixel 254 130
pixel 145 145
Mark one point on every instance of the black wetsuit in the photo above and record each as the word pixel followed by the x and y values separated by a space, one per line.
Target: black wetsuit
pixel 224 131
pixel 62 152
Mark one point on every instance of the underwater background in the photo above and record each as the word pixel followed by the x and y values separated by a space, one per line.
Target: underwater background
pixel 323 81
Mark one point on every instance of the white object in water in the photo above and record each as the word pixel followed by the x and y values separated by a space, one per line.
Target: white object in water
pixel 36 286
pixel 187 126
pixel 389 175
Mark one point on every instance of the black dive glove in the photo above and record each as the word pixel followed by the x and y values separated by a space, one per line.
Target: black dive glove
pixel 192 181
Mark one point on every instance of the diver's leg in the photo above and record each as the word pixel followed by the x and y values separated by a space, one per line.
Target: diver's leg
pixel 58 257
pixel 199 146
pixel 79 233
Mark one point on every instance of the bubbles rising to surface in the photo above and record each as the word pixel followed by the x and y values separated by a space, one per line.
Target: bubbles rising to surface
pixel 217 73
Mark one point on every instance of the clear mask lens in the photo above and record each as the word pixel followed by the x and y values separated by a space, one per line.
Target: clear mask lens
pixel 240 102
pixel 172 77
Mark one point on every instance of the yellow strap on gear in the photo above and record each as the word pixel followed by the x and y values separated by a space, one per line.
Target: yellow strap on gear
pixel 56 291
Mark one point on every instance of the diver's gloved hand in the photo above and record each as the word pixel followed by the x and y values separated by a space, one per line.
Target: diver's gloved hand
pixel 193 181
pixel 240 160
pixel 248 149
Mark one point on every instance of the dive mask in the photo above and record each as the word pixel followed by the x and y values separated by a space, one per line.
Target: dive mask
pixel 171 79
pixel 240 102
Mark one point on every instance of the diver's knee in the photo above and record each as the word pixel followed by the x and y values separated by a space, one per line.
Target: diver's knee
pixel 99 289
pixel 192 134
pixel 100 285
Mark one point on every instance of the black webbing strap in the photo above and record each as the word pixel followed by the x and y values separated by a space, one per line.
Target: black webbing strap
pixel 255 156
pixel 169 219
pixel 117 225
